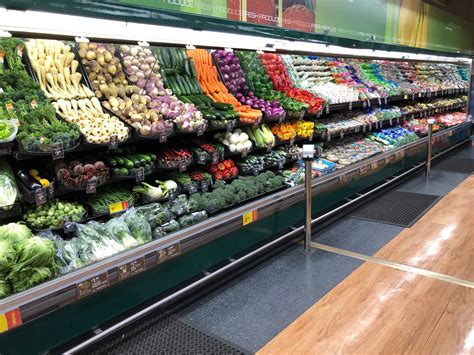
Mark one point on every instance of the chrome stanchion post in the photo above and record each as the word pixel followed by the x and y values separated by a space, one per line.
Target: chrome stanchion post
pixel 308 156
pixel 431 121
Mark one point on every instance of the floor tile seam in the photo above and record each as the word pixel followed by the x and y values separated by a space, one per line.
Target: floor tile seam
pixel 436 324
pixel 395 265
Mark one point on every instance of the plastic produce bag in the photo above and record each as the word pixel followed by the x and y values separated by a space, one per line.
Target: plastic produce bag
pixel 8 187
pixel 182 205
pixel 138 226
pixel 119 229
pixel 8 130
pixel 192 218
pixel 170 227
pixel 155 214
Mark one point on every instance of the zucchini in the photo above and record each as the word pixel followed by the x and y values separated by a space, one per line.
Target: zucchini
pixel 135 161
pixel 144 157
pixel 112 162
pixel 221 106
pixel 127 163
pixel 120 161
pixel 192 67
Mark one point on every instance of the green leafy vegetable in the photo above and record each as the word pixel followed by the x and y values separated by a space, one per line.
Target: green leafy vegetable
pixel 7 255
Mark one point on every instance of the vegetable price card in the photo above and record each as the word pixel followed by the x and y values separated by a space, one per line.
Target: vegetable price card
pixel 58 151
pixel 163 138
pixel 113 143
pixel 118 207
pixel 140 174
pixel 230 125
pixel 40 196
pixel 131 268
pixel 201 158
pixel 182 166
pixel 215 157
pixel 92 285
pixel 91 186
pixel 169 252
pixel 204 186
pixel 249 217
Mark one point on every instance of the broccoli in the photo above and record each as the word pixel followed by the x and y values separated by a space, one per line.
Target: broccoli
pixel 210 205
pixel 229 196
pixel 269 174
pixel 230 188
pixel 260 187
pixel 220 201
pixel 261 178
pixel 217 192
pixel 252 191
pixel 242 195
pixel 219 184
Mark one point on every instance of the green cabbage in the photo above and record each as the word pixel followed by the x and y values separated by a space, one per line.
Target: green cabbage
pixel 5 288
pixel 7 255
pixel 15 233
pixel 35 251
pixel 27 277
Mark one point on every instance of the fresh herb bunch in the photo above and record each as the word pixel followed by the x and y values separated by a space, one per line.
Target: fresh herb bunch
pixel 13 49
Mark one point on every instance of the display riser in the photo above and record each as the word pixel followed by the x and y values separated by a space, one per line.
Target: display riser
pixel 74 319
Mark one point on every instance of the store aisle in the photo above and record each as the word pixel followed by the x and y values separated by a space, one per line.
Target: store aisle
pixel 382 309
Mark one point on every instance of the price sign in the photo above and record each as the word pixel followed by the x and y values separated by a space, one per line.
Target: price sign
pixel 131 268
pixel 374 165
pixel 113 142
pixel 328 136
pixel 91 186
pixel 245 152
pixel 390 121
pixel 249 217
pixel 412 116
pixel 40 197
pixel 10 320
pixel 92 285
pixel 405 97
pixel 50 190
pixel 204 186
pixel 182 166
pixel 310 138
pixel 363 128
pixel 172 194
pixel 58 151
pixel 202 158
pixel 342 134
pixel 34 103
pixel 327 108
pixel 350 105
pixel 370 126
pixel 140 174
pixel 215 157
pixel 168 253
pixel 368 103
pixel 379 101
pixel 413 96
pixel 420 94
pixel 436 93
pixel 256 170
pixel 356 129
pixel 192 188
pixel 163 138
pixel 200 130
pixel 69 227
pixel 230 125
pixel 281 164
pixel 118 207
pixel 385 100
pixel 363 170
pixel 398 120
pixel 281 119
pixel 9 106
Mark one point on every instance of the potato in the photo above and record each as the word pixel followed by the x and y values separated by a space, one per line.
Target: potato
pixel 90 55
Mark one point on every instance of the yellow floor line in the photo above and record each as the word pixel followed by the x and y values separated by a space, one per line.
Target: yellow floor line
pixel 392 264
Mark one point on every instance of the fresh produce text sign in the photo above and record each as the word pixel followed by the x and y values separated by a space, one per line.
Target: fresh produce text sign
pixel 10 320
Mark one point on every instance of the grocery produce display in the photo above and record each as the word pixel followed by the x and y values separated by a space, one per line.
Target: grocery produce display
pixel 115 146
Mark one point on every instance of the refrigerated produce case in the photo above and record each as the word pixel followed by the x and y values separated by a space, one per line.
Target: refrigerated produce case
pixel 235 119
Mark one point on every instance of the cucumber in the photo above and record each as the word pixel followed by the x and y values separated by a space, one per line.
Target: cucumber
pixel 186 68
pixel 196 85
pixel 171 71
pixel 182 57
pixel 137 157
pixel 120 161
pixel 135 161
pixel 166 58
pixel 124 171
pixel 174 86
pixel 144 157
pixel 182 85
pixel 127 163
pixel 206 99
pixel 192 67
pixel 111 162
pixel 221 106
pixel 158 56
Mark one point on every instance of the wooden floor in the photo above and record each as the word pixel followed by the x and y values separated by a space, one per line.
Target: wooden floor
pixel 379 309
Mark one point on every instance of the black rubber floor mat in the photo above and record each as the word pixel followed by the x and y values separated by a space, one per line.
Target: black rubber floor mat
pixel 397 207
pixel 163 335
pixel 456 165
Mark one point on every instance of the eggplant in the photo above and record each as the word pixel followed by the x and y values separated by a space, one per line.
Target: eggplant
pixel 28 180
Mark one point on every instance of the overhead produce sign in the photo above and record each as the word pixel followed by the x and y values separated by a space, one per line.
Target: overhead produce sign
pixel 400 22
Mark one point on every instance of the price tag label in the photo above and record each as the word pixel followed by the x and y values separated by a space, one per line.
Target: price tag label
pixel 379 101
pixel 368 103
pixel 204 186
pixel 215 157
pixel 9 106
pixel 256 170
pixel 363 128
pixel 200 130
pixel 58 151
pixel 390 121
pixel 412 116
pixel 163 138
pixel 245 152
pixel 202 158
pixel 69 227
pixel 413 96
pixel 420 94
pixel 40 197
pixel 385 100
pixel 342 134
pixel 92 285
pixel 328 135
pixel 118 207
pixel 249 217
pixel 169 252
pixel 281 119
pixel 50 190
pixel 327 109
pixel 436 93
pixel 182 166
pixel 398 120
pixel 113 142
pixel 281 164
pixel 370 126
pixel 140 174
pixel 310 138
pixel 10 320
pixel 363 170
pixel 374 165
pixel 230 125
pixel 192 188
pixel 34 103
pixel 131 268
pixel 91 187
pixel 405 97
pixel 172 194
pixel 350 105
pixel 356 129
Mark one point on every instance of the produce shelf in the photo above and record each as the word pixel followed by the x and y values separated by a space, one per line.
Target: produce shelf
pixel 63 290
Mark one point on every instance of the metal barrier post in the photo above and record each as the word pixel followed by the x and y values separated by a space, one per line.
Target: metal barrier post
pixel 308 156
pixel 431 121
